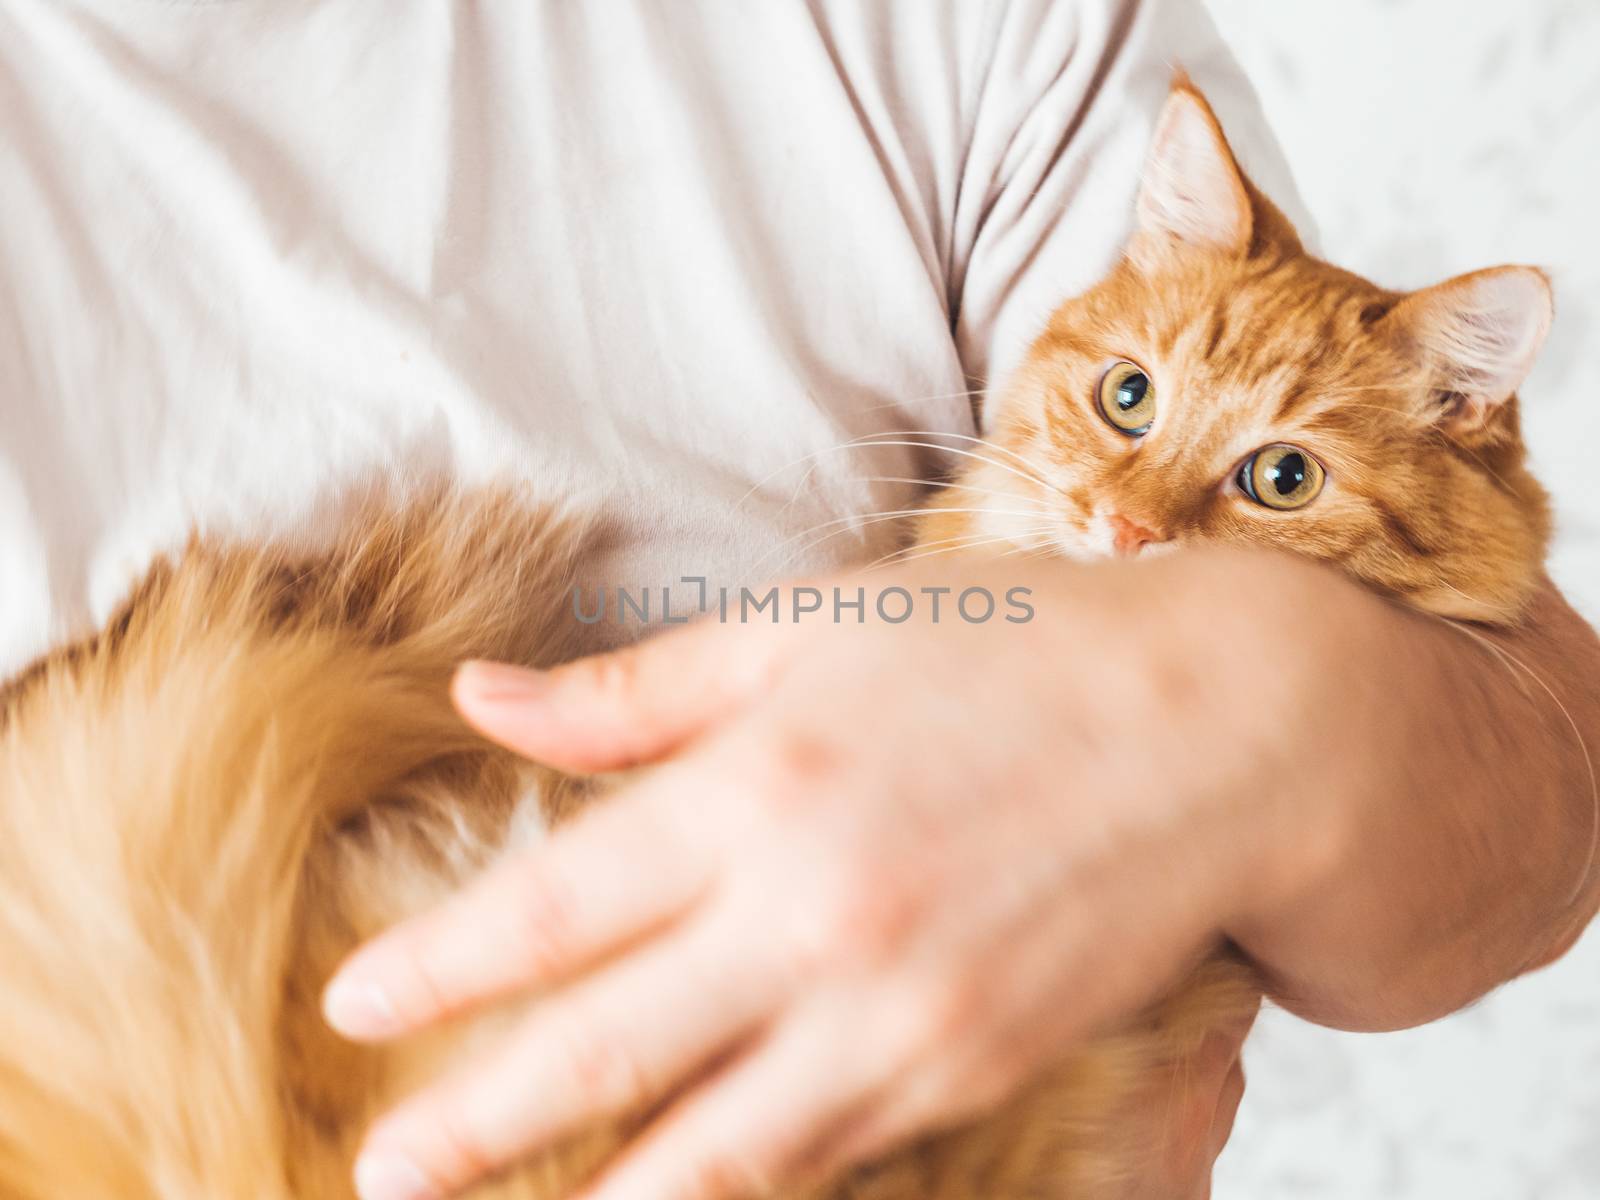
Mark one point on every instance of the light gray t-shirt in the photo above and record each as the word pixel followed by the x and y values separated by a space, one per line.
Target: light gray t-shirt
pixel 668 258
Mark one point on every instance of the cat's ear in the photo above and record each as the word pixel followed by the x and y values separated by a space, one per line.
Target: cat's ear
pixel 1192 192
pixel 1477 336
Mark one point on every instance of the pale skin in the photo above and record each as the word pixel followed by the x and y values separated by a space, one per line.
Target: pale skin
pixel 885 874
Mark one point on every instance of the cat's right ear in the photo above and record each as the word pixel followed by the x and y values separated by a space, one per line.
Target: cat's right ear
pixel 1192 193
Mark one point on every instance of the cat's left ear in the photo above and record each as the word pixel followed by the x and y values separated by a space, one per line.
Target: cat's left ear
pixel 1477 337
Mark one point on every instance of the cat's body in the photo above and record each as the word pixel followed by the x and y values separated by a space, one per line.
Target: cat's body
pixel 256 767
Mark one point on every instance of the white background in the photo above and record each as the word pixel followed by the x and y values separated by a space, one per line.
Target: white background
pixel 1431 137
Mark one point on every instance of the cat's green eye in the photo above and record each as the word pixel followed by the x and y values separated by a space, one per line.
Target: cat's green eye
pixel 1128 399
pixel 1281 476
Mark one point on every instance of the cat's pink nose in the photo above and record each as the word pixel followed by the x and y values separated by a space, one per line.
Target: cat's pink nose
pixel 1130 537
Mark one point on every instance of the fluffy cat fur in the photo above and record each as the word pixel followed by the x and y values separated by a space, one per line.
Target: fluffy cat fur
pixel 256 766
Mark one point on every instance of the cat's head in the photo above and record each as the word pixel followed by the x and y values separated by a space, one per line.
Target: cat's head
pixel 1223 385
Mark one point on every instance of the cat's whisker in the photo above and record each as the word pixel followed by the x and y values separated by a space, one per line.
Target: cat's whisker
pixel 1027 476
pixel 918 550
pixel 1178 1087
pixel 915 400
pixel 1483 466
pixel 845 524
pixel 1342 403
pixel 1025 469
pixel 1027 464
pixel 965 541
pixel 1513 664
pixel 869 518
pixel 1426 429
pixel 1348 389
pixel 837 526
pixel 934 550
pixel 791 465
pixel 959 487
pixel 895 438
pixel 860 442
pixel 1033 553
pixel 905 437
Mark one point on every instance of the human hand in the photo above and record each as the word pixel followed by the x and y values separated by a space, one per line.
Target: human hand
pixel 883 875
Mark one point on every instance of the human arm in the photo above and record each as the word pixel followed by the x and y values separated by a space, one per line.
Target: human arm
pixel 854 823
pixel 1469 786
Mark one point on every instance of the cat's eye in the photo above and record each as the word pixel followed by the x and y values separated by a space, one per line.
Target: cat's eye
pixel 1128 399
pixel 1281 476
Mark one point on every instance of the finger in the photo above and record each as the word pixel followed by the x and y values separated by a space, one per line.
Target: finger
pixel 616 710
pixel 780 1114
pixel 1199 1105
pixel 931 1072
pixel 618 872
pixel 608 1045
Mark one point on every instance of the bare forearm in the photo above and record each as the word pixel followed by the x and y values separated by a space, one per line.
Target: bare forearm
pixel 1457 768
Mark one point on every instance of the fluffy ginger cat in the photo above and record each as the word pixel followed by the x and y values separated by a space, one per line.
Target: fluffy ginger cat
pixel 256 766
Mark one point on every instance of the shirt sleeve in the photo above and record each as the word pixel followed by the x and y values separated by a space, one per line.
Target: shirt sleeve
pixel 1063 115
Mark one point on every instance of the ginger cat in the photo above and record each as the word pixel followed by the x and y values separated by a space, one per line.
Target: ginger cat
pixel 256 766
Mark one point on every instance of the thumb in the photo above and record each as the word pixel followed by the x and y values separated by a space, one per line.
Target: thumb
pixel 634 705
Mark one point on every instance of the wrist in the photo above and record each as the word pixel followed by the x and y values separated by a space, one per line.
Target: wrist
pixel 1358 899
pixel 1267 640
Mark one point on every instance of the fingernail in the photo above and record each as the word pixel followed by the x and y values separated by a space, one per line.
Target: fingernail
pixel 382 1176
pixel 359 1009
pixel 500 683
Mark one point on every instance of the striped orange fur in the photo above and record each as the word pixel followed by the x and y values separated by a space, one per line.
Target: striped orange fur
pixel 255 766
